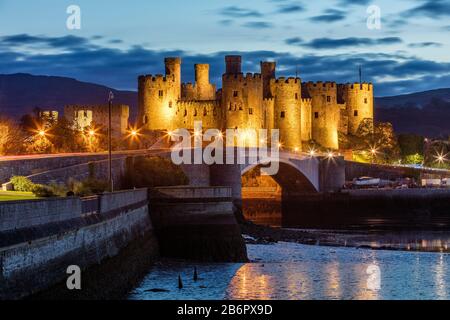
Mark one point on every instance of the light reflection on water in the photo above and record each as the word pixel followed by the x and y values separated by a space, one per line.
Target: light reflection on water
pixel 294 271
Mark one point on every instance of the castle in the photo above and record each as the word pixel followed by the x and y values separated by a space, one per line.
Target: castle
pixel 87 116
pixel 301 111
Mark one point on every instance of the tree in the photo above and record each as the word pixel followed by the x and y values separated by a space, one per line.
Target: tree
pixel 376 142
pixel 11 137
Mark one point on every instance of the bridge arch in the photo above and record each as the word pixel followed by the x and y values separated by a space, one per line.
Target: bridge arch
pixel 294 175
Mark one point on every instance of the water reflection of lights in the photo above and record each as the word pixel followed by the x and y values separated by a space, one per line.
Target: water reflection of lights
pixel 440 279
pixel 250 283
pixel 333 288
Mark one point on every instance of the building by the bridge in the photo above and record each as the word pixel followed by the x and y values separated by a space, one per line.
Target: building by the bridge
pixel 97 116
pixel 301 111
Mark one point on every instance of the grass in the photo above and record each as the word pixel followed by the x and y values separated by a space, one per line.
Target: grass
pixel 16 196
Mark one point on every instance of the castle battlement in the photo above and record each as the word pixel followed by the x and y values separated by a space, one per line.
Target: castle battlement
pixel 328 85
pixel 240 77
pixel 154 79
pixel 284 80
pixel 365 86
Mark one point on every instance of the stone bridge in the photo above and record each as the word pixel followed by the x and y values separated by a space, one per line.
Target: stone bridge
pixel 298 173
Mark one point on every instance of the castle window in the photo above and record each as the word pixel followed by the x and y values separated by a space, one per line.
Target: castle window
pixel 185 112
pixel 296 96
pixel 328 98
pixel 85 114
pixel 250 111
pixel 283 114
pixel 235 94
pixel 240 108
pixel 195 113
pixel 161 93
pixel 365 100
pixel 316 115
pixel 145 119
pixel 205 112
pixel 170 104
pixel 231 106
pixel 76 114
pixel 355 113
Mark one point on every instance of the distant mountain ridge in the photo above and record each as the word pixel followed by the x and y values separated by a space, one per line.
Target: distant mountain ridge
pixel 417 99
pixel 20 93
pixel 426 113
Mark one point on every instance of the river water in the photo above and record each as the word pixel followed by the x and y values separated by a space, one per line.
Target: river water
pixel 297 272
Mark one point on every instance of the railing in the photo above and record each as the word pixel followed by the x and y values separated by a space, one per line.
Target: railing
pixel 90 205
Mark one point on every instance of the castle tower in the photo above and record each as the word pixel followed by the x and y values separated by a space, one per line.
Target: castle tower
pixel 325 113
pixel 359 99
pixel 287 111
pixel 233 64
pixel 242 97
pixel 205 90
pixel 268 70
pixel 158 96
pixel 173 72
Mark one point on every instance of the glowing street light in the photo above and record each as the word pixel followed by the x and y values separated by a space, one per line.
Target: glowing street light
pixel 134 133
pixel 91 133
pixel 312 152
pixel 330 155
pixel 441 158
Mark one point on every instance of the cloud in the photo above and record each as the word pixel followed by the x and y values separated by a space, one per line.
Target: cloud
pixel 290 8
pixel 330 15
pixel 327 43
pixel 294 41
pixel 120 68
pixel 430 8
pixel 238 12
pixel 69 41
pixel 425 44
pixel 258 25
pixel 354 2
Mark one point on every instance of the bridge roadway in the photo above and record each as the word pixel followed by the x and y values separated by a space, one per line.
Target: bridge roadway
pixel 297 171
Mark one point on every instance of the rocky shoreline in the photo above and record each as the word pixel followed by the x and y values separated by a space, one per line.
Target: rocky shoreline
pixel 427 241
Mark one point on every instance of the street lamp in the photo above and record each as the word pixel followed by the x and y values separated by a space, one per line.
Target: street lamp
pixel 110 100
pixel 42 133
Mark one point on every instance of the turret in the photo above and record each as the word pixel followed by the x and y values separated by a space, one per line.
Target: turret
pixel 204 90
pixel 233 64
pixel 268 70
pixel 173 72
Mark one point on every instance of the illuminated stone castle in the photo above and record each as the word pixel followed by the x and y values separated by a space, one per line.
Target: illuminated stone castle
pixel 301 111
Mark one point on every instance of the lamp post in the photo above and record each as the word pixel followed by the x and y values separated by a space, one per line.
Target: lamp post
pixel 111 98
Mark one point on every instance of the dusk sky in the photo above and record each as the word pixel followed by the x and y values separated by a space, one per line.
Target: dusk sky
pixel 323 40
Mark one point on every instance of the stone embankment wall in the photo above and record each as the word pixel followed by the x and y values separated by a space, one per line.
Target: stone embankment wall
pixel 40 239
pixel 197 223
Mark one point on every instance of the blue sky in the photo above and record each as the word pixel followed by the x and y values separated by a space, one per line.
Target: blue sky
pixel 323 40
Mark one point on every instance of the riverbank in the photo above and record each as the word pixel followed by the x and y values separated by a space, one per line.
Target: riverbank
pixel 424 240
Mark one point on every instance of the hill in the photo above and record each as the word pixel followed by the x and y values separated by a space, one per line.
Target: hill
pixel 21 93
